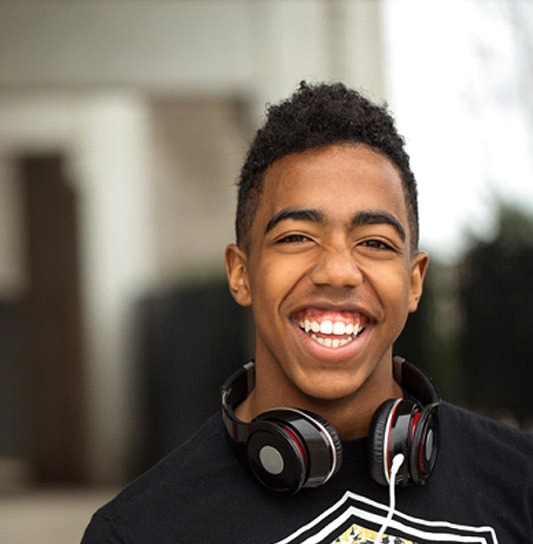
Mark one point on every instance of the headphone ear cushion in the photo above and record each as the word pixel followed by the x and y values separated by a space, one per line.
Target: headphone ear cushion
pixel 425 445
pixel 377 441
pixel 335 439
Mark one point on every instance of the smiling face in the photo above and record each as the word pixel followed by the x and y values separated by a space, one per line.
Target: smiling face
pixel 330 277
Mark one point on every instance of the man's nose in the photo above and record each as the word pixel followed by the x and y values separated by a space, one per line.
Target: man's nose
pixel 337 268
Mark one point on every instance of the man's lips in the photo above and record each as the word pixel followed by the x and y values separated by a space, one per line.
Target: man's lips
pixel 331 328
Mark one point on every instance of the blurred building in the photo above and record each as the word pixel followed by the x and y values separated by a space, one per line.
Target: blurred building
pixel 122 129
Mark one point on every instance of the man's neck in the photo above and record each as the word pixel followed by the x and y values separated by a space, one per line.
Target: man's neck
pixel 350 416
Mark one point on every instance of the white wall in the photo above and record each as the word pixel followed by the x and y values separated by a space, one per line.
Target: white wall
pixel 157 44
pixel 198 145
pixel 257 48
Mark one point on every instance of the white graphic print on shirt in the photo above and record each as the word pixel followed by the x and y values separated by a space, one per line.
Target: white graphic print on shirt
pixel 356 519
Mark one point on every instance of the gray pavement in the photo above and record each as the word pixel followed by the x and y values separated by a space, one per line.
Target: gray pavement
pixel 48 516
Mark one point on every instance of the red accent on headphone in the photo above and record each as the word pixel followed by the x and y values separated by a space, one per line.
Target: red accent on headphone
pixel 297 441
pixel 416 418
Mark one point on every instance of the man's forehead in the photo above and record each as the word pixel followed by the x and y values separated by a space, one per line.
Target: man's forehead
pixel 309 178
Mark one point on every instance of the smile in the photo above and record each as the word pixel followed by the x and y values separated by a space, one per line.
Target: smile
pixel 331 331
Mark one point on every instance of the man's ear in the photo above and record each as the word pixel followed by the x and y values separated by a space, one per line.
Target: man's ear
pixel 237 272
pixel 419 266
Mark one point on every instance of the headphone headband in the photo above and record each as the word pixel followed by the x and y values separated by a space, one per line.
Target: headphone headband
pixel 234 391
pixel 415 382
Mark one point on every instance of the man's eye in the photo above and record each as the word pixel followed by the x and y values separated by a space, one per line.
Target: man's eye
pixel 376 244
pixel 293 239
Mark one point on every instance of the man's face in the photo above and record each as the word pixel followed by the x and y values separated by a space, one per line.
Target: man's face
pixel 328 273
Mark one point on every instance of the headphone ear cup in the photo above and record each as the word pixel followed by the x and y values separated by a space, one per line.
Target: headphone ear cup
pixel 276 456
pixel 425 445
pixel 390 434
pixel 289 449
pixel 377 438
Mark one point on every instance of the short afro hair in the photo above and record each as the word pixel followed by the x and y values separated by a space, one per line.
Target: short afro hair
pixel 316 116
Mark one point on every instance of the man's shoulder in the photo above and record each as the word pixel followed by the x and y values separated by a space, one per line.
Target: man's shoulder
pixel 170 485
pixel 202 453
pixel 471 431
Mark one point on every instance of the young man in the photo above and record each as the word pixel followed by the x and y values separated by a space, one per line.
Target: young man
pixel 327 437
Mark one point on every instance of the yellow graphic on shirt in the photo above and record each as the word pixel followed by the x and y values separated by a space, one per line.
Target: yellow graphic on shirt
pixel 359 535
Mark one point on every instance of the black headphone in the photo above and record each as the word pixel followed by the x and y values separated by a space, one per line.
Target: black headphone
pixel 288 449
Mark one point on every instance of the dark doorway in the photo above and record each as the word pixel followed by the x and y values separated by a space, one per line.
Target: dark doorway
pixel 49 331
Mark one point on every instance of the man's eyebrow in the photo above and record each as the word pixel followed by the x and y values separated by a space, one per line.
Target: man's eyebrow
pixel 367 217
pixel 378 218
pixel 297 214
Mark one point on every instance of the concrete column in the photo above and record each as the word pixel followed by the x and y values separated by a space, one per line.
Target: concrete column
pixel 112 166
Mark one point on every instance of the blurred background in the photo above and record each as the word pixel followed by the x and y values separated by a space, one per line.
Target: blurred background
pixel 123 125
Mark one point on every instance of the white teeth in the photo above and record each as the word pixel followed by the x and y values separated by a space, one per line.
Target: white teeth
pixel 326 327
pixel 327 342
pixel 348 331
pixel 310 326
pixel 331 342
pixel 339 328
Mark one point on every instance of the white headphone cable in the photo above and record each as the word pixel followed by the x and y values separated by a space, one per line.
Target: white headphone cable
pixel 397 462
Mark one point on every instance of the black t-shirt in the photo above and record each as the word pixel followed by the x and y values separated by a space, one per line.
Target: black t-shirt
pixel 481 491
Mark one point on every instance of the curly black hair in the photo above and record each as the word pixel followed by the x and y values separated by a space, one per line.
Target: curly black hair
pixel 316 116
